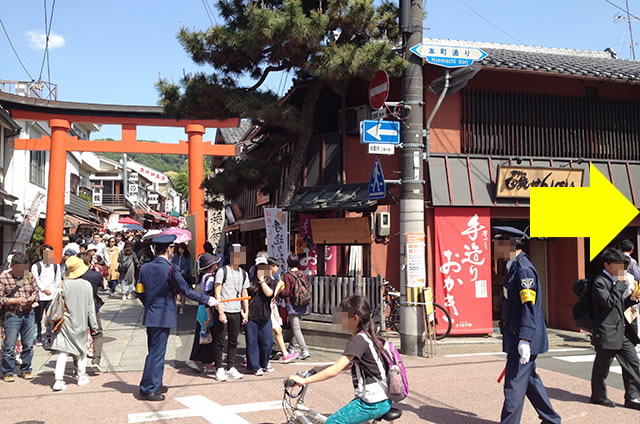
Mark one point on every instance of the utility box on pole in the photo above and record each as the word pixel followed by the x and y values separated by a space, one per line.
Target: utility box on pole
pixel 412 182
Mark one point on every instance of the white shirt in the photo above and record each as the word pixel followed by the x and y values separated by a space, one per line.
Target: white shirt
pixel 48 279
pixel 102 251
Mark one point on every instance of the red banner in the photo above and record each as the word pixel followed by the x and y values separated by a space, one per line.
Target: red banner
pixel 463 269
pixel 308 251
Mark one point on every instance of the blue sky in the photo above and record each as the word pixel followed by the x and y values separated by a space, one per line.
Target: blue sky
pixel 113 52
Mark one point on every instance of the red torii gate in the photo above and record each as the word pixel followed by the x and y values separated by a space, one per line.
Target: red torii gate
pixel 60 115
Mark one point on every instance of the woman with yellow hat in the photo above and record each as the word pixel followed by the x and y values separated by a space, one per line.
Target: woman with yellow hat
pixel 79 310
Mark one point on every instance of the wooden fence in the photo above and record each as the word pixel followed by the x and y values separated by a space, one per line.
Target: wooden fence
pixel 328 292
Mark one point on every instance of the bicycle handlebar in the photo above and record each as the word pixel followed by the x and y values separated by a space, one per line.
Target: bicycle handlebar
pixel 288 383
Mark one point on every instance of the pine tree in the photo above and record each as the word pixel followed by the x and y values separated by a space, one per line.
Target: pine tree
pixel 324 43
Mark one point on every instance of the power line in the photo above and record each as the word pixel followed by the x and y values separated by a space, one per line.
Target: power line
pixel 47 30
pixel 14 49
pixel 210 13
pixel 489 22
pixel 623 9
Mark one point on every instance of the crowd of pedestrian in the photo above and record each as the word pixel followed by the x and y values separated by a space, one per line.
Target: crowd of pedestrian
pixel 232 301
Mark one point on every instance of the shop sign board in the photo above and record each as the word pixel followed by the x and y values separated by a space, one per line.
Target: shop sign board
pixel 133 177
pixel 416 268
pixel 463 269
pixel 277 228
pixel 96 197
pixel 515 181
pixel 346 231
pixel 153 198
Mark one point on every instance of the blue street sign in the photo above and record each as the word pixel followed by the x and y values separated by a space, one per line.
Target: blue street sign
pixel 448 56
pixel 380 132
pixel 377 187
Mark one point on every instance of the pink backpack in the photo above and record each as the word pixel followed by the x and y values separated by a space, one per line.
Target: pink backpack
pixel 397 381
pixel 396 376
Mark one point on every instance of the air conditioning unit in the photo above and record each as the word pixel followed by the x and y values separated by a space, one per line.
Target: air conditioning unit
pixel 353 117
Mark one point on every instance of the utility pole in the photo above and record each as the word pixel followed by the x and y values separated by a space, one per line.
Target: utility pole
pixel 633 47
pixel 412 188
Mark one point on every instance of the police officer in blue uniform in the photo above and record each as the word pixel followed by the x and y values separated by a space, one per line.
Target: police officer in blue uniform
pixel 524 333
pixel 161 283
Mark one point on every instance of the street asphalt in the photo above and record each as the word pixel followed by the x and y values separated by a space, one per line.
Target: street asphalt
pixel 457 386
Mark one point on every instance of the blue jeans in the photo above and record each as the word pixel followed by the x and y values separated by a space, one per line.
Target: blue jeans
pixel 259 343
pixel 14 325
pixel 126 283
pixel 359 412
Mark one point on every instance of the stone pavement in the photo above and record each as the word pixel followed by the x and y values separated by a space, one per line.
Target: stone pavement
pixel 125 339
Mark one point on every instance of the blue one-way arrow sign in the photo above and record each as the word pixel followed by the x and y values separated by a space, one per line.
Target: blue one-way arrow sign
pixel 380 132
pixel 448 56
pixel 377 187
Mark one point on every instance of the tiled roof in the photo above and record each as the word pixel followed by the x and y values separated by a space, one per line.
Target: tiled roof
pixel 351 197
pixel 237 135
pixel 580 63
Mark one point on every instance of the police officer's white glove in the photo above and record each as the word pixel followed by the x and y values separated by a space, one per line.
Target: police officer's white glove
pixel 524 349
pixel 212 302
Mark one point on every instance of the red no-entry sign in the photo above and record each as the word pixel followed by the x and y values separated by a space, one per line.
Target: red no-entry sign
pixel 379 90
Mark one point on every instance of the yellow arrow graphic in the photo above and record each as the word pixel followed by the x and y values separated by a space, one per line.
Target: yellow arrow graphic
pixel 599 212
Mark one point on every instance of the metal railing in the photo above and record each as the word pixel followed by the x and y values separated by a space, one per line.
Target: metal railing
pixel 113 199
pixel 35 89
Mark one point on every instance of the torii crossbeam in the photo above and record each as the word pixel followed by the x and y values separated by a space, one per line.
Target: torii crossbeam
pixel 61 115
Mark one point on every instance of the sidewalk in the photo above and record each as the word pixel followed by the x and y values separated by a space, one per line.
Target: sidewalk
pixel 125 339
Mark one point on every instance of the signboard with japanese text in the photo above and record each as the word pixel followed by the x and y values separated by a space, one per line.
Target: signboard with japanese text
pixel 31 220
pixel 308 251
pixel 215 229
pixel 416 268
pixel 448 56
pixel 463 269
pixel 381 149
pixel 153 198
pixel 133 177
pixel 515 181
pixel 96 197
pixel 277 226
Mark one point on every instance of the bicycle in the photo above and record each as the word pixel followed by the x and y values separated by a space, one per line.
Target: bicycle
pixel 392 321
pixel 299 413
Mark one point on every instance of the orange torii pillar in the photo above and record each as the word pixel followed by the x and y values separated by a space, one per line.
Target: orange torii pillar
pixel 196 178
pixel 57 180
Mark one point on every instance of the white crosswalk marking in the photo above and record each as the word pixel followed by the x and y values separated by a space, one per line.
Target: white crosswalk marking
pixel 575 359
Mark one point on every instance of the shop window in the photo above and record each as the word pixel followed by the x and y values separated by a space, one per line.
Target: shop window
pixel 37 168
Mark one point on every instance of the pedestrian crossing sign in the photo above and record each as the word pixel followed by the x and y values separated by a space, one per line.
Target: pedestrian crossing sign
pixel 377 187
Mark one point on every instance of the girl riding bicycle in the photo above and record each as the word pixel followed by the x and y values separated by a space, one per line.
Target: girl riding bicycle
pixel 368 367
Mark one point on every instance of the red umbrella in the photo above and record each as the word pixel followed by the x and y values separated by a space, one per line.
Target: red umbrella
pixel 128 220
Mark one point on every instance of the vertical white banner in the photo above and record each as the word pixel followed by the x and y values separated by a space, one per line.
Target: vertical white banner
pixel 31 220
pixel 215 228
pixel 277 227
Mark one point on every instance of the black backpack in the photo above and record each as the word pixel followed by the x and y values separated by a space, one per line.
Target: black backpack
pixel 583 309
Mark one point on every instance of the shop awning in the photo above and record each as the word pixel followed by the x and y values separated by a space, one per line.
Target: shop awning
pixel 351 197
pixel 76 221
pixel 7 196
pixel 7 221
pixel 470 180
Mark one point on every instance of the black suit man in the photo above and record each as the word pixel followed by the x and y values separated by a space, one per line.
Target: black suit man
pixel 609 337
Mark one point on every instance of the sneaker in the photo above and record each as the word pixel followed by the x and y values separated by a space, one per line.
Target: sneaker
pixel 9 378
pixel 124 297
pixel 269 368
pixel 96 367
pixel 59 385
pixel 289 357
pixel 27 375
pixel 305 354
pixel 130 296
pixel 192 364
pixel 234 374
pixel 18 360
pixel 221 375
pixel 291 349
pixel 208 370
pixel 259 373
pixel 39 342
pixel 83 380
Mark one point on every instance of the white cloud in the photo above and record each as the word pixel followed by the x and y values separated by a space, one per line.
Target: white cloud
pixel 37 40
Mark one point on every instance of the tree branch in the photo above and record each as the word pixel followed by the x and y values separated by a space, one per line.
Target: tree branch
pixel 265 73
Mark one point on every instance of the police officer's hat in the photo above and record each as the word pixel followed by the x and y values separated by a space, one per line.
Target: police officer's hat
pixel 506 232
pixel 164 239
